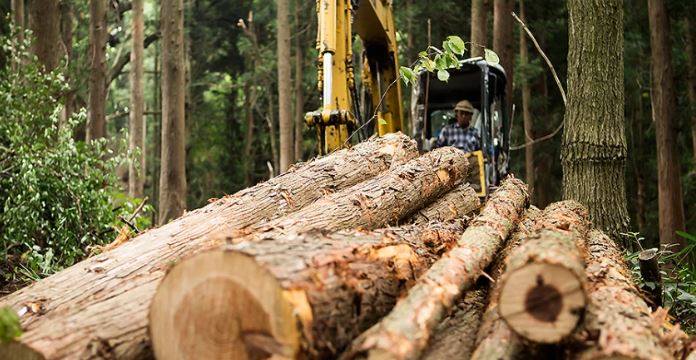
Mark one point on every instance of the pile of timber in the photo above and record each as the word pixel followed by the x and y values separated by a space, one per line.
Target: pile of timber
pixel 370 252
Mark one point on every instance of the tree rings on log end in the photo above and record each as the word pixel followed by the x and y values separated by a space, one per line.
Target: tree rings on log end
pixel 542 302
pixel 222 305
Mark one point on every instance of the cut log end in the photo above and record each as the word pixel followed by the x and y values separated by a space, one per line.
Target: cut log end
pixel 18 351
pixel 542 302
pixel 243 313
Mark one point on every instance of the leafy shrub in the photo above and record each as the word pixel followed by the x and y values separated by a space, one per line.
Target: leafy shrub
pixel 55 192
pixel 678 279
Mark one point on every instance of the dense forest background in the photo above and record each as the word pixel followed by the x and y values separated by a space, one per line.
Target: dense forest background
pixel 231 96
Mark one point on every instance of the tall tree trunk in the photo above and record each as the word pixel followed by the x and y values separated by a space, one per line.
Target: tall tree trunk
pixel 593 154
pixel 136 175
pixel 157 151
pixel 96 127
pixel 173 160
pixel 66 25
pixel 479 21
pixel 270 121
pixel 250 105
pixel 287 145
pixel 639 168
pixel 44 22
pixel 691 61
pixel 526 115
pixel 299 88
pixel 502 41
pixel 18 19
pixel 671 208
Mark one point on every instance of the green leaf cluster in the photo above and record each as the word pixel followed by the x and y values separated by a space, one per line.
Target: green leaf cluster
pixel 10 328
pixel 55 192
pixel 436 60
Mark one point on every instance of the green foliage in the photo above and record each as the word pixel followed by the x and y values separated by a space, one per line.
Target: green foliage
pixel 453 48
pixel 10 328
pixel 55 191
pixel 678 279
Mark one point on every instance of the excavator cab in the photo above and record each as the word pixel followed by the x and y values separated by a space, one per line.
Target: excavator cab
pixel 483 84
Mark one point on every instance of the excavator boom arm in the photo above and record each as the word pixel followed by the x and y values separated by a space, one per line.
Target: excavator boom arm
pixel 374 23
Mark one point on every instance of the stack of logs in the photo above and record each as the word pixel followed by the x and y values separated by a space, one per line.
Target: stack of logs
pixel 370 252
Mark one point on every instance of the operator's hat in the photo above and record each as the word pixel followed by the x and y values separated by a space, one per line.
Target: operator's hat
pixel 464 105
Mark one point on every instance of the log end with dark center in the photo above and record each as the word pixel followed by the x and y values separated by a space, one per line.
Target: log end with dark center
pixel 542 302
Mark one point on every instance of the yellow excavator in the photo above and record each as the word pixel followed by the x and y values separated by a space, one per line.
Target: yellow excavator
pixel 377 106
pixel 339 116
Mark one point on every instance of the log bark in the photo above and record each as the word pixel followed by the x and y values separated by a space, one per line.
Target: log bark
pixel 460 202
pixel 380 201
pixel 455 337
pixel 617 322
pixel 541 292
pixel 495 339
pixel 100 304
pixel 305 296
pixel 405 332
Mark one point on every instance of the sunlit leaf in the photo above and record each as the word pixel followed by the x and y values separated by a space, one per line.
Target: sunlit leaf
pixel 456 44
pixel 490 56
pixel 443 75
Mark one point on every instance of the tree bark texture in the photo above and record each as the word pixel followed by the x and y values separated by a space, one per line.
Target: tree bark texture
pixel 479 25
pixel 457 203
pixel 44 22
pixel 96 123
pixel 670 205
pixel 527 115
pixel 594 142
pixel 101 303
pixel 136 175
pixel 67 20
pixel 250 97
pixel 172 198
pixel 455 337
pixel 272 130
pixel 307 296
pixel 406 330
pixel 691 85
pixel 299 83
pixel 541 292
pixel 495 339
pixel 18 18
pixel 617 322
pixel 380 201
pixel 503 42
pixel 287 132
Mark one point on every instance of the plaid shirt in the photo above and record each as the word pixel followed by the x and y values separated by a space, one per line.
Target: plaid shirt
pixel 464 139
